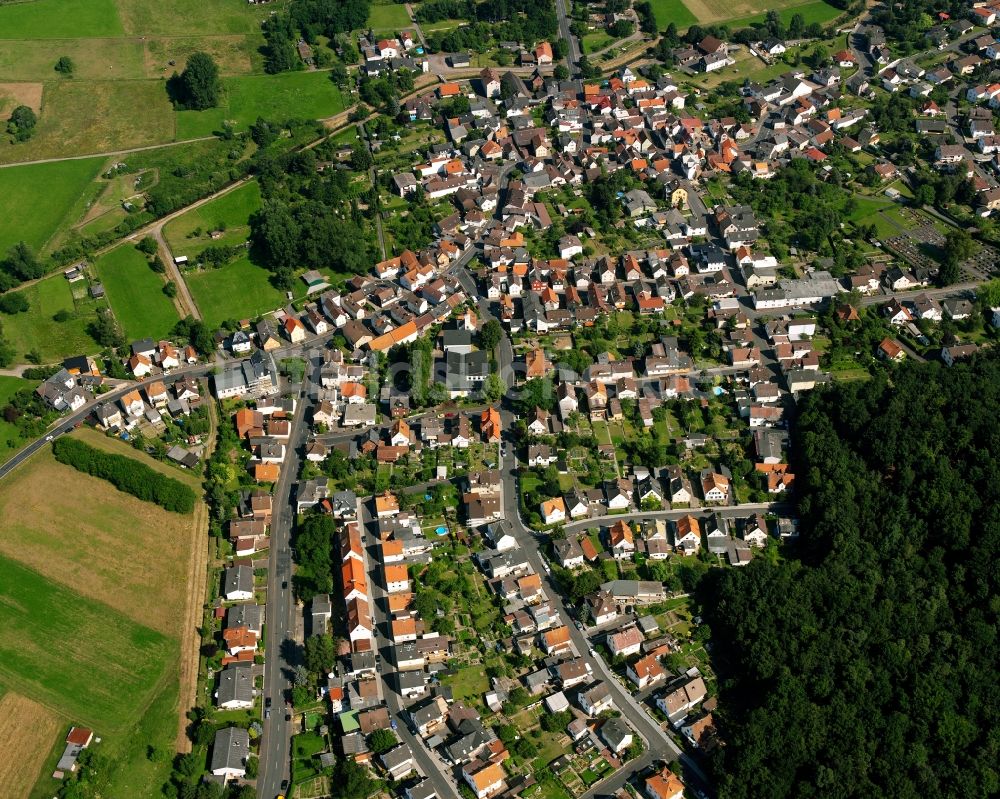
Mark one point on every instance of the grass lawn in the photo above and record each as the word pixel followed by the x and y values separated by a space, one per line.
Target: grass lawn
pixel 302 95
pixel 93 59
pixel 230 213
pixel 36 199
pixel 469 682
pixel 136 293
pixel 60 19
pixel 236 54
pixel 85 117
pixel 813 11
pixel 108 665
pixel 667 11
pixel 866 206
pixel 388 18
pixel 442 25
pixel 37 330
pixel 598 40
pixel 236 291
pixel 189 17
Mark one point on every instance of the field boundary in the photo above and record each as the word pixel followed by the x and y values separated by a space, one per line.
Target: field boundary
pixel 190 638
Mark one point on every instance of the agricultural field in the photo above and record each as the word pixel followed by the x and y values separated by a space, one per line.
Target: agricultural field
pixel 388 18
pixel 36 199
pixel 108 665
pixel 94 545
pixel 738 13
pixel 299 95
pixel 229 214
pixel 667 11
pixel 124 59
pixel 235 54
pixel 60 19
pixel 118 664
pixel 93 59
pixel 27 730
pixel 81 117
pixel 136 294
pixel 236 291
pixel 38 329
pixel 122 51
pixel 191 17
pixel 15 94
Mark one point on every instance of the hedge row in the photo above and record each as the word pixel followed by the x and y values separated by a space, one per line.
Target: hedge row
pixel 126 474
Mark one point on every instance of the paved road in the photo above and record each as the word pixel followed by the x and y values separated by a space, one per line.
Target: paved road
pixel 573 56
pixel 659 745
pixel 280 614
pixel 727 511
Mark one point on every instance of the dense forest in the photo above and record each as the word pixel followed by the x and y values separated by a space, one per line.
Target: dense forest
pixel 308 218
pixel 309 19
pixel 867 665
pixel 525 21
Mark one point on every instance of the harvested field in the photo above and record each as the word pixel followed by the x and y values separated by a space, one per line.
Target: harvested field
pixel 108 667
pixel 722 10
pixel 27 732
pixel 14 94
pixel 113 548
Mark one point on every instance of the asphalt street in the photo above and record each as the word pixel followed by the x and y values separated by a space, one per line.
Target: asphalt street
pixel 280 615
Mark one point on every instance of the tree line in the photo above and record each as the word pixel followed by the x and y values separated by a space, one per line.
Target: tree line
pixel 125 474
pixel 867 665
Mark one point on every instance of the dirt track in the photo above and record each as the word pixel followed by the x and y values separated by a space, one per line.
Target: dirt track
pixel 193 606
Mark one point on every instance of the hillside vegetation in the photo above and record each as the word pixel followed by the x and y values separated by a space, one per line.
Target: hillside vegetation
pixel 869 666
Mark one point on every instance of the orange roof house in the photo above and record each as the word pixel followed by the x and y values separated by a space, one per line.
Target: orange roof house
pixel 556 639
pixel 247 421
pixel 386 505
pixel 621 534
pixel 490 425
pixel 266 472
pixel 890 350
pixel 352 574
pixel 400 601
pixel 449 90
pixel 80 736
pixel 404 628
pixel 396 336
pixel 352 390
pixel 686 525
pixel 536 363
pixel 665 785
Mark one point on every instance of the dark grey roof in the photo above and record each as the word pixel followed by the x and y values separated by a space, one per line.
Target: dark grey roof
pixel 235 684
pixel 231 748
